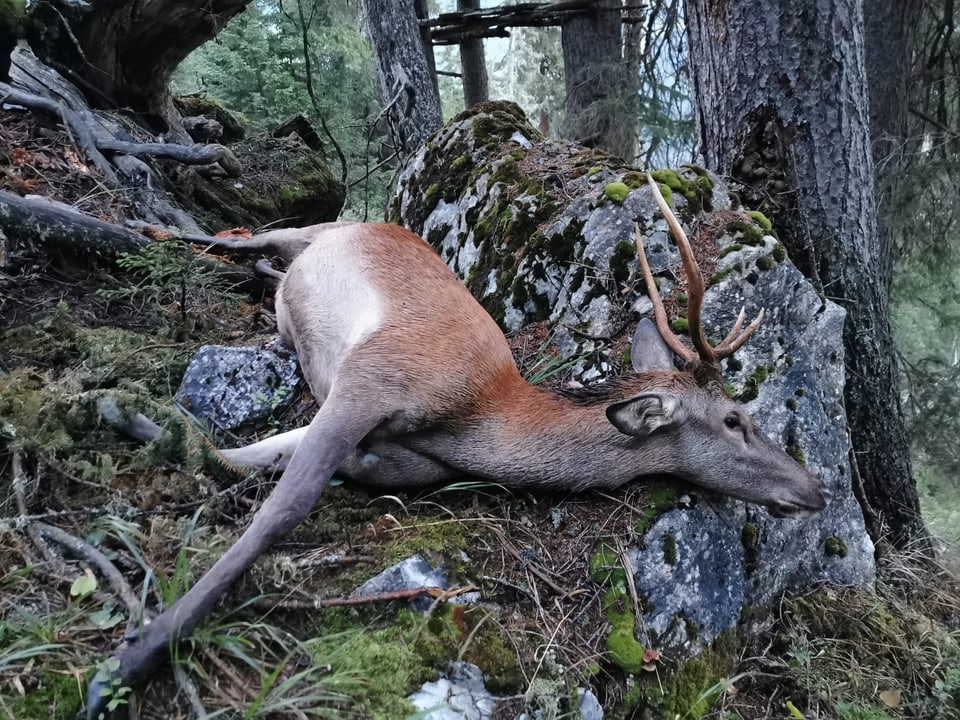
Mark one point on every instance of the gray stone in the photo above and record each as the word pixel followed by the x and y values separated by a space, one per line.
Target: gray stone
pixel 459 694
pixel 410 574
pixel 232 387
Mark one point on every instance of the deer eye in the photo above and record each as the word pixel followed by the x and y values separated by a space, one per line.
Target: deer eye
pixel 732 421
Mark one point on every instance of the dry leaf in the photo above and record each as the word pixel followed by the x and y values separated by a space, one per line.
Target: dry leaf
pixel 890 698
pixel 19 157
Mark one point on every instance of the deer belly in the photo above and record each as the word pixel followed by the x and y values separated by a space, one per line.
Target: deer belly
pixel 388 464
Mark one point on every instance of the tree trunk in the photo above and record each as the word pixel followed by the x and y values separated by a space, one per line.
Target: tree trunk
pixel 123 54
pixel 473 63
pixel 781 103
pixel 408 89
pixel 598 91
pixel 422 11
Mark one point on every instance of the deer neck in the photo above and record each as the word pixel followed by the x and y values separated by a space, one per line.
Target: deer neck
pixel 543 439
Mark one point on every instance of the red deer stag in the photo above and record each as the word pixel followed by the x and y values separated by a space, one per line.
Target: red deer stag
pixel 417 385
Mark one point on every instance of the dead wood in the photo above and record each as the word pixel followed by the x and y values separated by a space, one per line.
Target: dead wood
pixel 54 226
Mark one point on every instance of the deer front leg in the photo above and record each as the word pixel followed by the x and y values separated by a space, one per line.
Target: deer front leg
pixel 327 441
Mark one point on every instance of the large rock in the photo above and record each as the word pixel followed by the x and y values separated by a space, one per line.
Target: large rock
pixel 542 230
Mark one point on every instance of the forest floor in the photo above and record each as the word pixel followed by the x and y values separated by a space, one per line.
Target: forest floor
pixel 73 329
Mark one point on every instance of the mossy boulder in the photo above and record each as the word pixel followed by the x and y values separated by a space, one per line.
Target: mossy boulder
pixel 234 127
pixel 284 184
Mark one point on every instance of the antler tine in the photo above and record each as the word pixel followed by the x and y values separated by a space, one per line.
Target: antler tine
pixel 663 325
pixel 694 278
pixel 735 330
pixel 732 343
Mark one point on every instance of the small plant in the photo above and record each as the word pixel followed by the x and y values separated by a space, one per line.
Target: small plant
pixel 168 276
pixel 112 685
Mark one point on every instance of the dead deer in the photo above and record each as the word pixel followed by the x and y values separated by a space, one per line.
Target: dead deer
pixel 417 385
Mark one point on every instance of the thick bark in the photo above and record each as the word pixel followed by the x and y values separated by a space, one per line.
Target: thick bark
pixel 782 106
pixel 408 89
pixel 123 54
pixel 473 63
pixel 599 93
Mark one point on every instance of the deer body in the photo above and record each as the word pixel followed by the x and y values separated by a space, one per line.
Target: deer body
pixel 417 385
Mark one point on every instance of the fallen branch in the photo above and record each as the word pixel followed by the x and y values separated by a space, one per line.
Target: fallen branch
pixel 40 531
pixel 185 154
pixel 48 223
pixel 91 142
pixel 85 551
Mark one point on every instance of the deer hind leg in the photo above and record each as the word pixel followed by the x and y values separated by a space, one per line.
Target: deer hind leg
pixel 330 437
pixel 273 453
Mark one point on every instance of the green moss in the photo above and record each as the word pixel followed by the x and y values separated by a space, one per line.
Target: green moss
pixel 52 691
pixel 696 191
pixel 779 252
pixel 697 170
pixel 766 262
pixel 470 633
pixel 594 170
pixel 789 360
pixel 667 195
pixel 749 536
pixel 760 219
pixel 704 183
pixel 492 129
pixel 622 647
pixel 680 325
pixel 387 659
pixel 661 500
pixel 616 191
pixel 669 178
pixel 291 193
pixel 604 566
pixel 460 162
pixel 723 274
pixel 735 247
pixel 634 179
pixel 835 546
pixel 428 535
pixel 669 549
pixel 690 690
pixel 431 196
pixel 797 454
pixel 751 388
pixel 792 404
pixel 745 233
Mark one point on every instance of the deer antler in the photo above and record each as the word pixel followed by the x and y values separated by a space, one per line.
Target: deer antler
pixel 704 352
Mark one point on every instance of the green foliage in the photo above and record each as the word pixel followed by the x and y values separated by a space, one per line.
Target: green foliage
pixel 255 66
pixel 925 212
pixel 164 275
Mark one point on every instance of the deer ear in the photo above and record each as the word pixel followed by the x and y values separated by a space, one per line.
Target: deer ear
pixel 649 351
pixel 644 414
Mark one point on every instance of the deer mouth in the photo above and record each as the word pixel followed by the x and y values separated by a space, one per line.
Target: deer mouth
pixel 799 510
